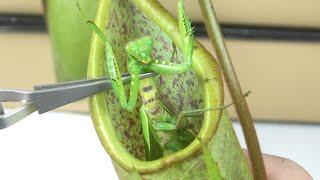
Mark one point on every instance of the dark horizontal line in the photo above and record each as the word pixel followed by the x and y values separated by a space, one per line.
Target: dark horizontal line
pixel 21 23
pixel 239 31
pixel 36 23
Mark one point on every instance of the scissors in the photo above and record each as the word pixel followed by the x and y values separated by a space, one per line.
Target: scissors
pixel 48 97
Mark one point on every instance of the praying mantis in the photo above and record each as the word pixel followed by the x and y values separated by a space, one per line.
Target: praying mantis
pixel 156 119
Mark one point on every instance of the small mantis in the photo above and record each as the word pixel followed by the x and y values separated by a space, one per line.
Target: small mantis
pixel 156 119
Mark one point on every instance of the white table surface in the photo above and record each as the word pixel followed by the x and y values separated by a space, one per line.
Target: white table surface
pixel 65 146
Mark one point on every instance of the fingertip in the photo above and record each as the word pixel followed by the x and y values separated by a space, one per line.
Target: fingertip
pixel 279 168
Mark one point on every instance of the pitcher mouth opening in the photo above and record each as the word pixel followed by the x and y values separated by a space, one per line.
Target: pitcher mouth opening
pixel 112 127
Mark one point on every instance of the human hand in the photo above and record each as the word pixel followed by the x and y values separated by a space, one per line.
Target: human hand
pixel 279 168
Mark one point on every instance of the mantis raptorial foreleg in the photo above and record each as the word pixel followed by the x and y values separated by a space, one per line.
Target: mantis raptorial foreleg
pixel 116 80
pixel 111 66
pixel 187 42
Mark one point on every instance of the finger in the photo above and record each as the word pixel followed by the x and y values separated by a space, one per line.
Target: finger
pixel 279 168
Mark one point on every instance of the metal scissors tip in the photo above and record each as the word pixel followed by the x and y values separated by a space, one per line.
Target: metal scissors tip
pixel 47 97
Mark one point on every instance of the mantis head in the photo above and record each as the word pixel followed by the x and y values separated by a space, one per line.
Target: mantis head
pixel 141 49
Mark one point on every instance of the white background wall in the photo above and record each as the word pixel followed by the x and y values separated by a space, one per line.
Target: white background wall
pixel 65 146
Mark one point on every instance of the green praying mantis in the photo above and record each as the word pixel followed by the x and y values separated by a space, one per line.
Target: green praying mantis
pixel 156 119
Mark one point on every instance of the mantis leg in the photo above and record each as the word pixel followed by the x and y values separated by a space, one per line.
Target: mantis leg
pixel 196 113
pixel 186 36
pixel 174 51
pixel 152 143
pixel 184 135
pixel 168 120
pixel 116 80
pixel 179 138
pixel 112 67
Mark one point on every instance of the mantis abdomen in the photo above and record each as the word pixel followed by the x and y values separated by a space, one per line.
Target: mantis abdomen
pixel 149 96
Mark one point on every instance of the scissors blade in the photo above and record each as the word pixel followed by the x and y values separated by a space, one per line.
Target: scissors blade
pixel 71 83
pixel 16 115
pixel 50 98
pixel 46 100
